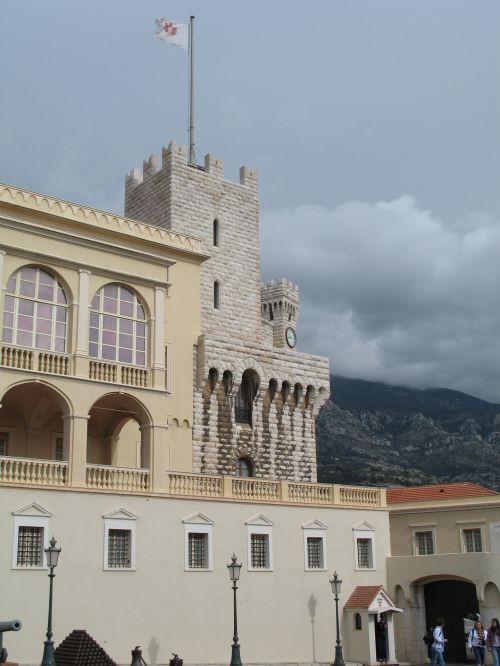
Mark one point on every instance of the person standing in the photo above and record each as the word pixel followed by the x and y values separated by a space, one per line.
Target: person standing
pixel 493 641
pixel 439 642
pixel 477 641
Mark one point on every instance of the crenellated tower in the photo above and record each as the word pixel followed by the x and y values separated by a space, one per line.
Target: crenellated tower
pixel 256 396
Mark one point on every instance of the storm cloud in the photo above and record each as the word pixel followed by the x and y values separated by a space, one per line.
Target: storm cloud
pixel 391 292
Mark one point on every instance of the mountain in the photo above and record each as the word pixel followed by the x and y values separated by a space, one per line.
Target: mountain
pixel 377 434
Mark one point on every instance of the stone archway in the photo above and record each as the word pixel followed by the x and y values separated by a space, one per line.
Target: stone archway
pixel 32 420
pixel 116 432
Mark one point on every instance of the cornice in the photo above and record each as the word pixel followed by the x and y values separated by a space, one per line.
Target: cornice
pixel 96 218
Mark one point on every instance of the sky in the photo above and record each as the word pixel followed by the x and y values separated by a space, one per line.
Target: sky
pixel 374 126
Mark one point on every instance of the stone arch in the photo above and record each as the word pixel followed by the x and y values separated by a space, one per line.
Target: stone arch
pixel 33 415
pixel 491 597
pixel 117 431
pixel 213 376
pixel 48 268
pixel 247 391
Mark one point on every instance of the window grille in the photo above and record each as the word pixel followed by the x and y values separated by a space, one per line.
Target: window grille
pixel 472 540
pixel 365 558
pixel 29 546
pixel 424 543
pixel 119 549
pixel 314 553
pixel 4 438
pixel 259 551
pixel 198 550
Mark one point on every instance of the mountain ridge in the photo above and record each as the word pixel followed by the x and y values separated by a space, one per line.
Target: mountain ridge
pixel 381 434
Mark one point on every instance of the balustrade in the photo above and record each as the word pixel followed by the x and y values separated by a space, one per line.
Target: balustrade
pixel 198 485
pixel 30 471
pixel 253 489
pixel 117 478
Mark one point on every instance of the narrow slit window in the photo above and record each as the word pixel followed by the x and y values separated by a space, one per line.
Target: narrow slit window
pixel 216 295
pixel 216 233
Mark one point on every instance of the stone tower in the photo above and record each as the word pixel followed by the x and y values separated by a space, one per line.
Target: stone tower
pixel 255 395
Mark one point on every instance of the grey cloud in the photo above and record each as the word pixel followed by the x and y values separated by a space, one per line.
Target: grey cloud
pixel 390 292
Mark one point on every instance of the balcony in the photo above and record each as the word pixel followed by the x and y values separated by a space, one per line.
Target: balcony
pixel 51 473
pixel 34 360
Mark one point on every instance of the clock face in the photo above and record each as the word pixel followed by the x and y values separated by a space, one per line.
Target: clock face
pixel 291 337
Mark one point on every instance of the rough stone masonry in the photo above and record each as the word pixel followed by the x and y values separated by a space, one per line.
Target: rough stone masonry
pixel 256 397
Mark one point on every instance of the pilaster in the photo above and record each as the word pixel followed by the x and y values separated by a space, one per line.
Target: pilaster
pixel 75 448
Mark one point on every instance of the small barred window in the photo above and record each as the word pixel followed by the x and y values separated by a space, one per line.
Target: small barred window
pixel 314 553
pixel 198 550
pixel 365 555
pixel 259 550
pixel 119 542
pixel 473 542
pixel 30 546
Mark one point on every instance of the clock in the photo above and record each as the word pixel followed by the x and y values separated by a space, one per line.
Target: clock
pixel 291 337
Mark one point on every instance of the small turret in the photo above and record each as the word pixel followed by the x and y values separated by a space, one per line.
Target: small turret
pixel 280 306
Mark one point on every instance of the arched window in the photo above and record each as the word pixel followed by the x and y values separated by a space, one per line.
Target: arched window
pixel 35 311
pixel 216 233
pixel 216 295
pixel 118 329
pixel 244 398
pixel 244 467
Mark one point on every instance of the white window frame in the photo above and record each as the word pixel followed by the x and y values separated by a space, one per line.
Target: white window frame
pixel 473 526
pixel 198 528
pixel 260 529
pixel 364 532
pixel 418 530
pixel 125 523
pixel 24 520
pixel 315 532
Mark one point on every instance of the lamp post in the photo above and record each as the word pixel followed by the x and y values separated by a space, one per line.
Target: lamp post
pixel 234 575
pixel 336 584
pixel 52 554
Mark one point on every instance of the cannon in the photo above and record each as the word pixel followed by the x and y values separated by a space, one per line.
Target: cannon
pixel 7 625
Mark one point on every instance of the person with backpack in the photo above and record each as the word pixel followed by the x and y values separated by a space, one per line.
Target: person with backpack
pixel 493 641
pixel 477 641
pixel 437 648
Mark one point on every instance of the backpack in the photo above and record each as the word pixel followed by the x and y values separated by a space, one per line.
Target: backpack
pixel 429 637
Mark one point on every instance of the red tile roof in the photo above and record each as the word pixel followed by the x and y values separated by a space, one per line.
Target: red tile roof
pixel 362 596
pixel 437 491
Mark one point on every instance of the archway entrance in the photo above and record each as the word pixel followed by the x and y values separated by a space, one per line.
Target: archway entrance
pixel 452 600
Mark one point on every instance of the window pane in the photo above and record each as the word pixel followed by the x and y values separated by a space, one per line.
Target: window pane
pixel 110 305
pixel 61 296
pixel 26 307
pixel 108 353
pixel 126 295
pixel 46 292
pixel 424 543
pixel 9 304
pixel 24 338
pixel 111 290
pixel 11 284
pixel 28 274
pixel 60 344
pixel 94 335
pixel 126 341
pixel 141 344
pixel 43 342
pixel 43 326
pixel 94 319
pixel 45 278
pixel 109 323
pixel 27 289
pixel 126 325
pixel 140 358
pixel 61 313
pixel 25 323
pixel 96 302
pixel 44 310
pixel 140 312
pixel 126 308
pixel 61 330
pixel 125 355
pixel 140 330
pixel 314 552
pixel 93 350
pixel 8 319
pixel 364 547
pixel 7 335
pixel 109 337
pixel 29 546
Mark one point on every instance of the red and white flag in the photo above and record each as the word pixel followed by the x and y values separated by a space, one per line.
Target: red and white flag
pixel 172 32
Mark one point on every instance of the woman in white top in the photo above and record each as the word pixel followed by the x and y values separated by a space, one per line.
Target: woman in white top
pixel 477 641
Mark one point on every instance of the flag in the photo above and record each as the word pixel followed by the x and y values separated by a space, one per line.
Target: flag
pixel 172 32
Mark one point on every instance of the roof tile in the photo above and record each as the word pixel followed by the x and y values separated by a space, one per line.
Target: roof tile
pixel 437 491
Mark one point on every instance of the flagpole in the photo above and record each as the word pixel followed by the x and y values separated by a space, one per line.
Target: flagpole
pixel 192 157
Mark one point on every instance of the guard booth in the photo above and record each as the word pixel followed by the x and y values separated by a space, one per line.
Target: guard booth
pixel 368 628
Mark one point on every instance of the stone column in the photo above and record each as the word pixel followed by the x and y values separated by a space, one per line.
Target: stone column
pixel 158 348
pixel 82 325
pixel 75 448
pixel 155 456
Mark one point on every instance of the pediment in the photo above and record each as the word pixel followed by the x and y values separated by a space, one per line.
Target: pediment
pixel 363 525
pixel 198 519
pixel 259 519
pixel 382 603
pixel 32 509
pixel 120 514
pixel 314 525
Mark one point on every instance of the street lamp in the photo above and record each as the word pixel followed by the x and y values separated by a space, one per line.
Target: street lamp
pixel 336 584
pixel 52 554
pixel 234 575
